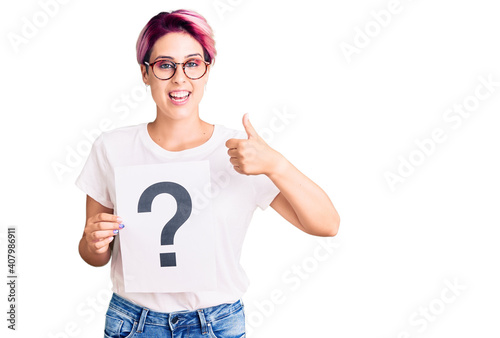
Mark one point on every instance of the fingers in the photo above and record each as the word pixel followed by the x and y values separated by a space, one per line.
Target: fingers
pixel 233 152
pixel 233 143
pixel 248 127
pixel 102 246
pixel 238 170
pixel 100 231
pixel 106 225
pixel 234 161
pixel 97 236
pixel 104 217
pixel 243 152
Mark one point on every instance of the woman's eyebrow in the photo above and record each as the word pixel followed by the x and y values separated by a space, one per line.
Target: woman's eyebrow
pixel 171 58
pixel 188 56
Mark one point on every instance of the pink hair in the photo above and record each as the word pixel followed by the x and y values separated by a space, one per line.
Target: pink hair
pixel 180 20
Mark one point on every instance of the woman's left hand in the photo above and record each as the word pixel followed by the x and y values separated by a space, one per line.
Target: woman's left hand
pixel 252 156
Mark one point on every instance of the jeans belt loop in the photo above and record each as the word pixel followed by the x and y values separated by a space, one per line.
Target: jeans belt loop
pixel 142 320
pixel 204 328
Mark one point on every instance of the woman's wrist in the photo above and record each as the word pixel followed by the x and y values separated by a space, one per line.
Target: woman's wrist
pixel 278 167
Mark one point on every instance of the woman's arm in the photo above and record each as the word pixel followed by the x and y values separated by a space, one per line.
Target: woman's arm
pixel 95 247
pixel 300 201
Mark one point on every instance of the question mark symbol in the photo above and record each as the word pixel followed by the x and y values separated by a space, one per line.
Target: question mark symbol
pixel 184 207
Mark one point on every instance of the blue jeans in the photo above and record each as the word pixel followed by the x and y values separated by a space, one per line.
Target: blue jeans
pixel 126 319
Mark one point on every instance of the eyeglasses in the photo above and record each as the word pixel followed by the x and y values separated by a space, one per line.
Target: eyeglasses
pixel 165 69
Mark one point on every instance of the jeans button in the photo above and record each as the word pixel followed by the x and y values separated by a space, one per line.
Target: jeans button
pixel 175 320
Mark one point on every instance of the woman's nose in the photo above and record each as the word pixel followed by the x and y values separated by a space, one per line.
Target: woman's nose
pixel 179 75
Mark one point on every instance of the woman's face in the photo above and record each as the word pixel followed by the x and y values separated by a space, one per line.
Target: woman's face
pixel 170 95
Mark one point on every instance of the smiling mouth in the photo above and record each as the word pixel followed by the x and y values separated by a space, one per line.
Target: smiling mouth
pixel 179 96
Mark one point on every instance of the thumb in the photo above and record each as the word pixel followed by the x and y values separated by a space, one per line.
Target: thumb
pixel 248 127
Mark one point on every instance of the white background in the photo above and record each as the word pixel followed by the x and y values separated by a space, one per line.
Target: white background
pixel 353 122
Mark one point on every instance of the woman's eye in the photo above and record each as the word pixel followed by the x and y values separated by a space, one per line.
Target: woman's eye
pixel 165 65
pixel 193 63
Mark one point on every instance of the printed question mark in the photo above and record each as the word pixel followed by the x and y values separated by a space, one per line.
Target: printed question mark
pixel 184 207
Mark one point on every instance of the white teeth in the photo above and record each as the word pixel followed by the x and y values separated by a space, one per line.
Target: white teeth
pixel 179 94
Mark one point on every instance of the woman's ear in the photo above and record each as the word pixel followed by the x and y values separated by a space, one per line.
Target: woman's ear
pixel 208 70
pixel 145 75
pixel 207 74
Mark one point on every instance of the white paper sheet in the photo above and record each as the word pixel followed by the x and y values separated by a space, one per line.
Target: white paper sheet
pixel 155 200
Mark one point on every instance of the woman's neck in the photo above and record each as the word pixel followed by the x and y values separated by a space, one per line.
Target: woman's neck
pixel 181 134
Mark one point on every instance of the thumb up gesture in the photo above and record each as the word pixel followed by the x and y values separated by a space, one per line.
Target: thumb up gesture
pixel 252 156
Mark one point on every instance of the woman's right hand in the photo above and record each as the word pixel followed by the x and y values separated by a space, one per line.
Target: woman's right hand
pixel 94 246
pixel 100 230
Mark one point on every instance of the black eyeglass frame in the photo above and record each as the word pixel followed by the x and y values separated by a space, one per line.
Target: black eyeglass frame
pixel 175 68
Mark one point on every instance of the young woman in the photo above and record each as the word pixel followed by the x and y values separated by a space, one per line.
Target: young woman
pixel 176 51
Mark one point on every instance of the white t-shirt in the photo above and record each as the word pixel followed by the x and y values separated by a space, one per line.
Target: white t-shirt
pixel 233 206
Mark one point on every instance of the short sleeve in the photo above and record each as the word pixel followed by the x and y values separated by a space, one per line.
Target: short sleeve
pixel 265 190
pixel 94 175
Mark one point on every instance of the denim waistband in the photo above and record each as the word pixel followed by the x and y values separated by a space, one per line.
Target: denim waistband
pixel 144 315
